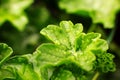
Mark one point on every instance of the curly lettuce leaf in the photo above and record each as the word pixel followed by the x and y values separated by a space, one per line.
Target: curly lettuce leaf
pixel 56 34
pixel 13 11
pixel 82 48
pixel 66 36
pixel 101 11
pixel 93 44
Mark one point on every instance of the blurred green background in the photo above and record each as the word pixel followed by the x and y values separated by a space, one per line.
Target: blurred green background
pixel 22 20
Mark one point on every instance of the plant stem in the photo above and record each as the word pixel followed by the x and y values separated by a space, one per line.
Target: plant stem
pixel 92 28
pixel 112 33
pixel 96 76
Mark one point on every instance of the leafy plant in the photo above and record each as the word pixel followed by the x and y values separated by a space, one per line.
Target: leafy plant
pixel 13 11
pixel 5 52
pixel 72 55
pixel 100 11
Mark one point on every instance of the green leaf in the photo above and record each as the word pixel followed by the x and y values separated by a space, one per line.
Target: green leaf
pixel 13 11
pixel 64 35
pixel 20 69
pixel 5 52
pixel 56 34
pixel 50 54
pixel 100 11
pixel 18 21
pixel 67 32
pixel 72 31
pixel 48 57
pixel 82 48
pixel 90 44
pixel 91 41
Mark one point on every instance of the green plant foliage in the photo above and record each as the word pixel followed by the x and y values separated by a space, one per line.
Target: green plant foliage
pixel 5 52
pixel 13 11
pixel 81 47
pixel 101 11
pixel 72 55
pixel 18 68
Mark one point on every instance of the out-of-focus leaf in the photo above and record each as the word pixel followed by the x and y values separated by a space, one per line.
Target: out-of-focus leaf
pixel 101 11
pixel 5 52
pixel 13 11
